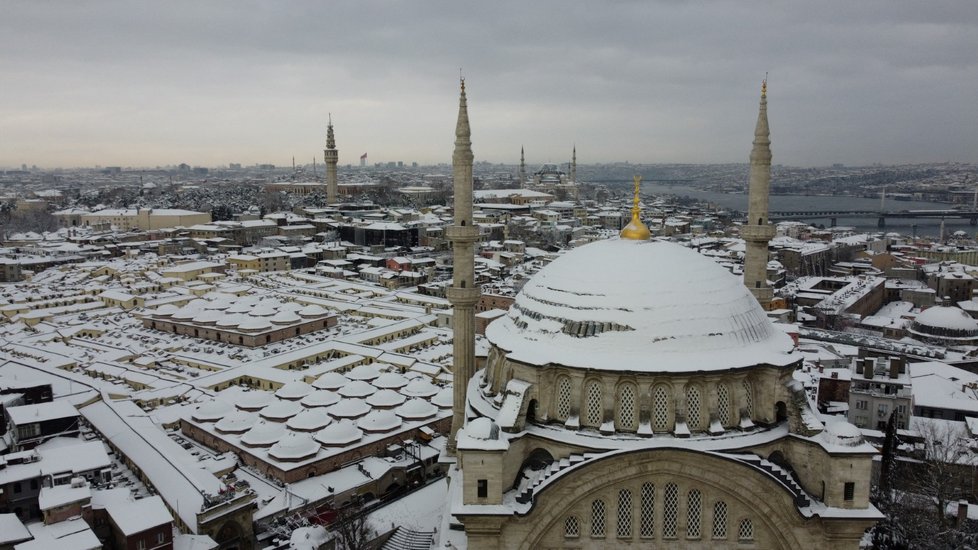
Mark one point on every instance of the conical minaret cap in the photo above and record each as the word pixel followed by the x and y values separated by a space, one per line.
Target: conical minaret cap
pixel 636 230
pixel 330 138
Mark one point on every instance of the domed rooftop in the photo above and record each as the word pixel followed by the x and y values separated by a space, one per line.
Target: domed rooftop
pixel 947 322
pixel 263 434
pixel 309 420
pixel 280 411
pixel 638 305
pixel 294 446
pixel 236 422
pixel 212 411
pixel 294 390
pixel 253 400
pixel 381 420
pixel 320 398
pixel 385 398
pixel 331 381
pixel 416 409
pixel 339 434
pixel 357 388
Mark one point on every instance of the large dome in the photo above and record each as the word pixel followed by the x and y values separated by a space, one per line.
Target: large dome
pixel 644 306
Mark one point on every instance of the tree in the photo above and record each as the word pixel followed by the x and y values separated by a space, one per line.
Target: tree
pixel 352 527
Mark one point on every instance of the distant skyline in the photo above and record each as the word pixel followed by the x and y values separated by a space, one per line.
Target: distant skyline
pixel 210 83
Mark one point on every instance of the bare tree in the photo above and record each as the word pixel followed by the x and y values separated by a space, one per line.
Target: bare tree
pixel 351 524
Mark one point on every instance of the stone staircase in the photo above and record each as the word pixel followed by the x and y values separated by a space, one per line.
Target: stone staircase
pixel 406 539
pixel 780 474
pixel 555 467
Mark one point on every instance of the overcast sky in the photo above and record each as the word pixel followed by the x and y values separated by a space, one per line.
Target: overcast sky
pixel 207 83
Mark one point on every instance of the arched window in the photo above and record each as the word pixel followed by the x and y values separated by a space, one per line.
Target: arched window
pixel 593 410
pixel 693 408
pixel 597 518
pixel 648 511
pixel 670 511
pixel 624 513
pixel 627 417
pixel 746 531
pixel 562 400
pixel 720 520
pixel 723 405
pixel 749 398
pixel 660 409
pixel 694 504
pixel 572 527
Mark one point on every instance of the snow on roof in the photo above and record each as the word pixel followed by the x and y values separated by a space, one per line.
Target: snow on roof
pixel 612 305
pixel 52 497
pixel 950 318
pixel 136 516
pixel 12 530
pixel 72 534
pixel 41 412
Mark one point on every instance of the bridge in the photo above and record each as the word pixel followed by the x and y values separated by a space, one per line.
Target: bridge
pixel 881 216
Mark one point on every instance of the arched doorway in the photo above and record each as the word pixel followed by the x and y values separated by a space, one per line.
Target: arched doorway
pixel 531 411
pixel 229 537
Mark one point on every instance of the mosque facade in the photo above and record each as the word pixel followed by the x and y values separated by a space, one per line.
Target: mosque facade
pixel 637 395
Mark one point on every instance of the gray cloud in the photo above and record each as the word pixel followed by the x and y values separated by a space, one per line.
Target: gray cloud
pixel 150 83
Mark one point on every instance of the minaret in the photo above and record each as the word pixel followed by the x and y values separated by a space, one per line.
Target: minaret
pixel 463 294
pixel 522 168
pixel 757 232
pixel 573 170
pixel 331 155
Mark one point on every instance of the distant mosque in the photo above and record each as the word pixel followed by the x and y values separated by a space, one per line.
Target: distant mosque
pixel 551 179
pixel 637 395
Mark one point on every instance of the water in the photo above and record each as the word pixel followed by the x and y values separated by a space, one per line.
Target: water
pixel 738 201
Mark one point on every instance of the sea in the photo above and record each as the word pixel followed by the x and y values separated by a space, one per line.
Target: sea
pixel 912 227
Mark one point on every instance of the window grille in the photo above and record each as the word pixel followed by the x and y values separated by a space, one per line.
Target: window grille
pixel 594 408
pixel 693 505
pixel 563 398
pixel 624 513
pixel 693 408
pixel 720 520
pixel 648 510
pixel 723 405
pixel 748 399
pixel 626 407
pixel 597 518
pixel 746 531
pixel 670 513
pixel 660 407
pixel 572 528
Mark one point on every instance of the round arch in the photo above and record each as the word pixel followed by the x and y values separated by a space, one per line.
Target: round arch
pixel 736 482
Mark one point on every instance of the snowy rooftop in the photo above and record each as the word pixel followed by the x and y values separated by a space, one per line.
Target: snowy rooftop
pixel 614 305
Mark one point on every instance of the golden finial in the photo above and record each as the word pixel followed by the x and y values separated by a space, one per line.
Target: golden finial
pixel 636 230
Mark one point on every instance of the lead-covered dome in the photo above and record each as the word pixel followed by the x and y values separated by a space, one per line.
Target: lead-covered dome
pixel 645 306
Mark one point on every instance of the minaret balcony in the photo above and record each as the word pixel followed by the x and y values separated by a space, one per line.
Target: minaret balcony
pixel 757 232
pixel 462 296
pixel 462 233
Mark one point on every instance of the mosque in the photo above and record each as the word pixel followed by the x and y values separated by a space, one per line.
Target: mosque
pixel 637 395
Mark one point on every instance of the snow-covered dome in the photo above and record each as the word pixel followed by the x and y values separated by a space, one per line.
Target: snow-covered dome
pixel 379 421
pixel 444 399
pixel 385 399
pixel 309 420
pixel 208 316
pixel 230 320
pixel 842 433
pixel 482 428
pixel 279 411
pixel 312 310
pixel 253 400
pixel 236 422
pixel 331 381
pixel 294 446
pixel 285 318
pixel 390 380
pixel 165 310
pixel 416 409
pixel 945 322
pixel 212 411
pixel 294 390
pixel 263 434
pixel 339 434
pixel 357 388
pixel 420 387
pixel 363 372
pixel 264 309
pixel 349 408
pixel 255 324
pixel 320 398
pixel 642 306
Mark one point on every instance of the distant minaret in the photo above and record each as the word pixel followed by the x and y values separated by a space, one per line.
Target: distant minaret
pixel 522 168
pixel 331 156
pixel 757 232
pixel 573 170
pixel 463 294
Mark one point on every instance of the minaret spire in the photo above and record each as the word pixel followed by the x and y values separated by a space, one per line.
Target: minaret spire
pixel 463 294
pixel 331 156
pixel 522 168
pixel 573 170
pixel 758 233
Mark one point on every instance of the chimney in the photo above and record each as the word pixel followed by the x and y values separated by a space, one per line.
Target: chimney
pixel 894 367
pixel 902 362
pixel 869 365
pixel 962 511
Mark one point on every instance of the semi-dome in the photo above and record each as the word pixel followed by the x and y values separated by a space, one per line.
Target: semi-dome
pixel 637 305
